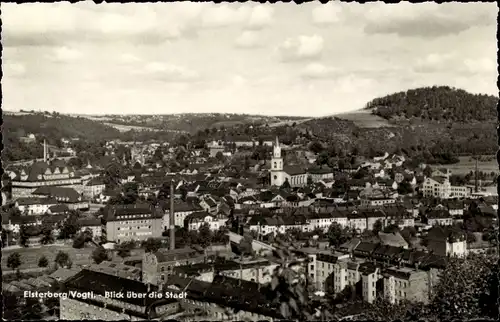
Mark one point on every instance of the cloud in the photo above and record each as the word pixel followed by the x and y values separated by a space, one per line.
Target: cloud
pixel 318 71
pixel 224 15
pixel 480 65
pixel 427 19
pixel 66 54
pixel 13 69
pixel 454 63
pixel 58 24
pixel 248 39
pixel 127 58
pixel 260 17
pixel 326 14
pixel 169 72
pixel 301 48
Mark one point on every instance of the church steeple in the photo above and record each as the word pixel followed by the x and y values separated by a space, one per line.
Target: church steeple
pixel 277 175
pixel 277 149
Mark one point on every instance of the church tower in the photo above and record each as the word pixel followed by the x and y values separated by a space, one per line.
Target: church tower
pixel 277 174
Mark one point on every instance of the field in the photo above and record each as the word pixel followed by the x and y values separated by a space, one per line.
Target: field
pixel 364 119
pixel 31 255
pixel 467 164
pixel 126 128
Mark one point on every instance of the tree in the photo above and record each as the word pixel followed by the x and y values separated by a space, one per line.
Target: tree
pixel 112 176
pixel 130 193
pixel 405 188
pixel 219 156
pixel 62 259
pixel 462 291
pixel 151 245
pixel 286 184
pixel 23 236
pixel 14 261
pixel 391 229
pixel 427 171
pixel 47 237
pixel 290 292
pixel 70 227
pixel 335 235
pixel 123 250
pixel 245 246
pixel 79 241
pixel 377 227
pixel 100 255
pixel 43 262
pixel 316 147
pixel 205 235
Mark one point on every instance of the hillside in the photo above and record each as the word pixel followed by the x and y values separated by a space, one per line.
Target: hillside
pixel 192 123
pixel 56 126
pixel 437 124
pixel 443 104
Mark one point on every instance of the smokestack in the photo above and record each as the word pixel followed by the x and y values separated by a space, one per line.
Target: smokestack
pixel 172 217
pixel 44 150
pixel 476 188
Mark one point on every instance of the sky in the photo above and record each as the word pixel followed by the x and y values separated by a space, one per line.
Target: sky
pixel 274 59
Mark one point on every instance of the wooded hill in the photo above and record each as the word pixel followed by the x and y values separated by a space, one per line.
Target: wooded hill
pixel 437 103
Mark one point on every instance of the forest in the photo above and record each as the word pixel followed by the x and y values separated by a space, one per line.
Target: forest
pixel 437 103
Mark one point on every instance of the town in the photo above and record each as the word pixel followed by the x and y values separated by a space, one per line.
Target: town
pixel 219 233
pixel 244 161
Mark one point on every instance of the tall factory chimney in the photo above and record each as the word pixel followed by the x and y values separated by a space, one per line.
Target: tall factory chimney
pixel 44 150
pixel 476 187
pixel 172 216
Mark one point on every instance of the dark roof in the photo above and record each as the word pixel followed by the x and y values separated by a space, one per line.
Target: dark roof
pixel 66 194
pixel 60 208
pixel 99 283
pixel 228 292
pixel 167 255
pixel 366 247
pixel 293 170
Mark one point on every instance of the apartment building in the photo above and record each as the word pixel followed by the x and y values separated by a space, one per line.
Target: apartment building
pixel 406 284
pixel 322 267
pixel 132 222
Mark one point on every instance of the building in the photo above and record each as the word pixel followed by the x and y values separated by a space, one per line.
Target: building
pixel 181 210
pixel 95 300
pixel 437 187
pixel 321 269
pixel 226 299
pixel 295 175
pixel 64 195
pixel 446 241
pixel 134 222
pixel 406 284
pixel 93 188
pixel 460 191
pixel 258 271
pixel 197 219
pixel 39 174
pixel 156 267
pixel 34 205
pixel 323 220
pixel 439 217
pixel 215 148
pixel 91 224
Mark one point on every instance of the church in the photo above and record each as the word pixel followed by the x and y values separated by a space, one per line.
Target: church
pixel 296 176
